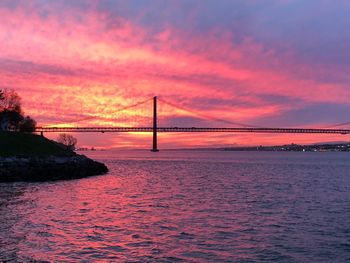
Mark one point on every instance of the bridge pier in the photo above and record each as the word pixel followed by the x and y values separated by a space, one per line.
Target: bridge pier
pixel 154 146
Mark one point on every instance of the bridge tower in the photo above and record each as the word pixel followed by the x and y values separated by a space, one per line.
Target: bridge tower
pixel 154 148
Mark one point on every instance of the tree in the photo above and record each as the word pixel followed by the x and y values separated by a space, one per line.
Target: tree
pixel 27 125
pixel 10 120
pixel 10 101
pixel 67 140
pixel 10 110
pixel 11 115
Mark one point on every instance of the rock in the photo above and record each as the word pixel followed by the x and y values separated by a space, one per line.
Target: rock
pixel 48 168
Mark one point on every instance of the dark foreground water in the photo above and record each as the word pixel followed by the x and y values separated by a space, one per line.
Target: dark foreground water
pixel 175 206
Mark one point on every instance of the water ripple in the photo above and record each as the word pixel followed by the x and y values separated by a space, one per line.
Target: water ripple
pixel 214 207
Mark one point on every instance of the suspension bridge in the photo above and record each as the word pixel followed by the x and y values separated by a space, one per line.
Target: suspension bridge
pixel 154 128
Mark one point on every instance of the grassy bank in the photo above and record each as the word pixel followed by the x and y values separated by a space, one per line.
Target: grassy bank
pixel 24 144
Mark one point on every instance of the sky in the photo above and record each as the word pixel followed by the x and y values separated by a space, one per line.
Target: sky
pixel 272 63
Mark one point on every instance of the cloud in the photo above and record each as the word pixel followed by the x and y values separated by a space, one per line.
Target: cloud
pixel 271 62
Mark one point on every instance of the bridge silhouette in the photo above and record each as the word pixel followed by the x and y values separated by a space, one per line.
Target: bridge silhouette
pixel 155 129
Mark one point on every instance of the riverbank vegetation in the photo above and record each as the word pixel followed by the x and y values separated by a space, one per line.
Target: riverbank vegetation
pixel 26 144
pixel 12 116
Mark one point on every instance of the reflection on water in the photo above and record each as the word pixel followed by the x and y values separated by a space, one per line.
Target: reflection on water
pixel 176 206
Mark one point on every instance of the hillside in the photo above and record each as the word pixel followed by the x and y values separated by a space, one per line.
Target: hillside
pixel 25 144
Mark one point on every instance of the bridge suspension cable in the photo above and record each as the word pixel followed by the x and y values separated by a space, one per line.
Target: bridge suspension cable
pixel 338 125
pixel 141 115
pixel 205 116
pixel 90 117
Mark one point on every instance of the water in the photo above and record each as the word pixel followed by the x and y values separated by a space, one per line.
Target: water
pixel 177 206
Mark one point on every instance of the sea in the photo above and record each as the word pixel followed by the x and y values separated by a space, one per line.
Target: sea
pixel 185 206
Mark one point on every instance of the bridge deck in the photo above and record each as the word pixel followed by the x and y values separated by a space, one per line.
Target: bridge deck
pixel 191 129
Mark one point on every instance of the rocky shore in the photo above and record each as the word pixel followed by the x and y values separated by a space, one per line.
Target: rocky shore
pixel 48 168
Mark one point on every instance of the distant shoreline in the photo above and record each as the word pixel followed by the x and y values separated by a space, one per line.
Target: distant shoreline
pixel 338 147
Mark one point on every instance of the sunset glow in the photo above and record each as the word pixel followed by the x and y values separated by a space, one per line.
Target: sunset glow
pixel 232 60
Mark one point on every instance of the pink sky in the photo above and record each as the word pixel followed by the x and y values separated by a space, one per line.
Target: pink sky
pixel 277 64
